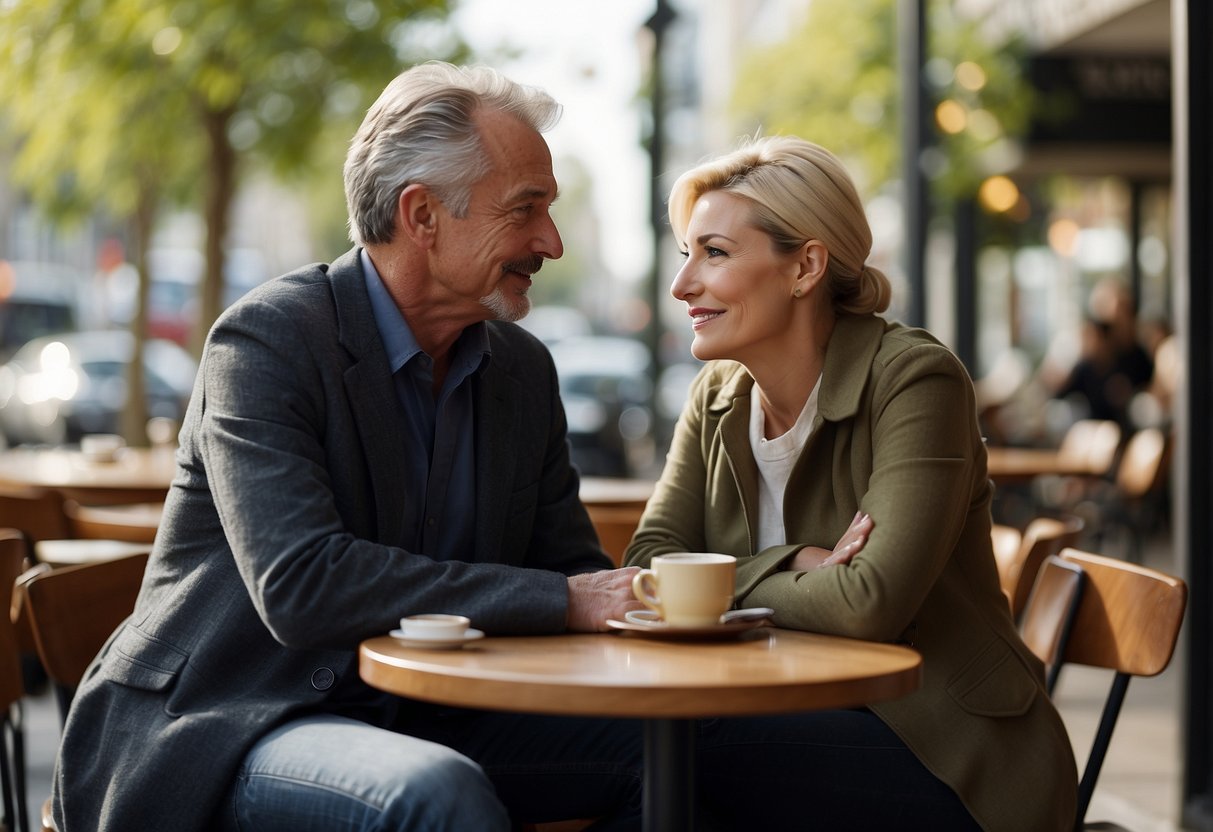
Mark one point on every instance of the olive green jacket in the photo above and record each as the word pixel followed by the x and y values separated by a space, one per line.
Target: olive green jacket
pixel 896 435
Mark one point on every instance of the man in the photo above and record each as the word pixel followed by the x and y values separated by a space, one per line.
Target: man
pixel 365 441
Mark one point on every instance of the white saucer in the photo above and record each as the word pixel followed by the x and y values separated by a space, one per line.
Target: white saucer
pixel 732 622
pixel 469 635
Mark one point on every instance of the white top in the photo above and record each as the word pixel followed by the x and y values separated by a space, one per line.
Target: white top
pixel 775 458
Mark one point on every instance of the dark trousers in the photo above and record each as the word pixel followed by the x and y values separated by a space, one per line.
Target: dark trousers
pixel 828 770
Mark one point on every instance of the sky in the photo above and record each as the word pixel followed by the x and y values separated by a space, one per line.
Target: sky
pixel 586 54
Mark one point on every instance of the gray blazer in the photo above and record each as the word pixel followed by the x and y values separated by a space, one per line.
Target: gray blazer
pixel 282 547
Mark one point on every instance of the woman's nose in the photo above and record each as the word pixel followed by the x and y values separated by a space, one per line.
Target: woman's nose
pixel 684 282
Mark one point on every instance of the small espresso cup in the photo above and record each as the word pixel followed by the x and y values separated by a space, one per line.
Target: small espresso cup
pixel 687 589
pixel 434 626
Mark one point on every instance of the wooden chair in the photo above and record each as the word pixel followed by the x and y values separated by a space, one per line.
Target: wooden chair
pixel 38 512
pixel 1017 569
pixel 1125 505
pixel 615 526
pixel 12 689
pixel 133 523
pixel 1049 614
pixel 1006 541
pixel 1128 621
pixel 73 610
pixel 1092 445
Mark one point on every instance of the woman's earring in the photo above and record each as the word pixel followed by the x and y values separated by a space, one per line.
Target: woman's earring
pixel 796 293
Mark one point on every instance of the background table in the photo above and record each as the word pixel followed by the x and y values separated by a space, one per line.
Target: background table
pixel 138 475
pixel 615 492
pixel 666 683
pixel 1005 464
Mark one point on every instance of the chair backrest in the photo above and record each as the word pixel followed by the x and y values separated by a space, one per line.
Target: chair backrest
pixel 1091 445
pixel 134 523
pixel 1141 463
pixel 12 564
pixel 74 609
pixel 615 526
pixel 1128 621
pixel 13 549
pixel 1049 615
pixel 1006 541
pixel 1043 536
pixel 36 511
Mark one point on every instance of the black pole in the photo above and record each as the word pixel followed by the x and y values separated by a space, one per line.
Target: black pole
pixel 966 282
pixel 914 135
pixel 662 17
pixel 1195 102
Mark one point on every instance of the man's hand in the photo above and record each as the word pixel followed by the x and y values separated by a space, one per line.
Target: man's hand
pixel 597 596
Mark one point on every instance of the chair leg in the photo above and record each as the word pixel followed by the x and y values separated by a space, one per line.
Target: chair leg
pixel 1099 749
pixel 6 783
pixel 12 769
pixel 17 719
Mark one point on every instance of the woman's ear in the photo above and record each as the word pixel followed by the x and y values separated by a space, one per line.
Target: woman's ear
pixel 814 259
pixel 416 214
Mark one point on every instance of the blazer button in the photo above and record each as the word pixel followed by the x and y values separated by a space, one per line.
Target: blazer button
pixel 323 679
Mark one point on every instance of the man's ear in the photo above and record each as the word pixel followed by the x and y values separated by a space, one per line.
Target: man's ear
pixel 416 214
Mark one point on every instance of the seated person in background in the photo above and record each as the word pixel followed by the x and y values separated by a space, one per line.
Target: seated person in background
pixel 366 440
pixel 838 457
pixel 1113 365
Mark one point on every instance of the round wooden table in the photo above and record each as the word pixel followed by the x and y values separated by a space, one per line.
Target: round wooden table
pixel 666 683
pixel 137 475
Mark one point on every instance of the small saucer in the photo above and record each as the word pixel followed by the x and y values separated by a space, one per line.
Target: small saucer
pixel 647 622
pixel 437 643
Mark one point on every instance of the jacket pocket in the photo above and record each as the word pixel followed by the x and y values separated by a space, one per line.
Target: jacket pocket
pixel 141 661
pixel 994 683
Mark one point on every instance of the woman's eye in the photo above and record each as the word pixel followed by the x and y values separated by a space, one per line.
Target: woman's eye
pixel 712 251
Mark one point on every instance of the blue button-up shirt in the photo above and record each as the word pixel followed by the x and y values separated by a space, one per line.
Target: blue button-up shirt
pixel 439 430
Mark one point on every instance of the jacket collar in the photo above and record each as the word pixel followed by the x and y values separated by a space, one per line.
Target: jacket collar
pixel 852 347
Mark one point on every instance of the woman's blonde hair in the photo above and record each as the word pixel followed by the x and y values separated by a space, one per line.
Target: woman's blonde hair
pixel 800 192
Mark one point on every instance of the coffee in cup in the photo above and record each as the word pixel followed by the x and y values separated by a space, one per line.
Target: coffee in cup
pixel 687 589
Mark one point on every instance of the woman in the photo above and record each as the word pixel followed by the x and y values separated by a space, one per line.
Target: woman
pixel 838 456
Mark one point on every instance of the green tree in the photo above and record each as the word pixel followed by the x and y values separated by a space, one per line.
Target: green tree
pixel 124 105
pixel 834 80
pixel 225 81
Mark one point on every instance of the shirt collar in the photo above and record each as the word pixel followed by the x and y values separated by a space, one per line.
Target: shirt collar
pixel 471 350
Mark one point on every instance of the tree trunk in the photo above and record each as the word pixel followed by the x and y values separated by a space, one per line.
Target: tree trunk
pixel 134 414
pixel 221 190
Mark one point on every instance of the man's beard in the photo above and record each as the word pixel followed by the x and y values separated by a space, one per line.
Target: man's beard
pixel 512 307
pixel 506 307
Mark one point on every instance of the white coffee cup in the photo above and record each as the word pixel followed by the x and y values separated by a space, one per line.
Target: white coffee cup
pixel 688 589
pixel 101 447
pixel 435 626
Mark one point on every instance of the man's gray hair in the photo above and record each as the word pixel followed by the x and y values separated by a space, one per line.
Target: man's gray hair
pixel 422 130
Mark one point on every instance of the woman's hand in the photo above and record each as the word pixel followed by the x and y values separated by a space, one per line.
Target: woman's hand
pixel 848 546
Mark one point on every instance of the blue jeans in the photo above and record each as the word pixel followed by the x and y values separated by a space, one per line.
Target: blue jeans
pixel 333 774
pixel 835 770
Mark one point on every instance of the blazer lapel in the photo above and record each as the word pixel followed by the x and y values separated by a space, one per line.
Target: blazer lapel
pixel 369 383
pixel 496 412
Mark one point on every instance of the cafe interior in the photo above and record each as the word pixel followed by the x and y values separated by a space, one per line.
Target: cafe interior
pixel 1102 515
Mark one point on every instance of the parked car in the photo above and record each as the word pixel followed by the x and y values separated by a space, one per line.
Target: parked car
pixel 35 299
pixel 606 390
pixel 57 388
